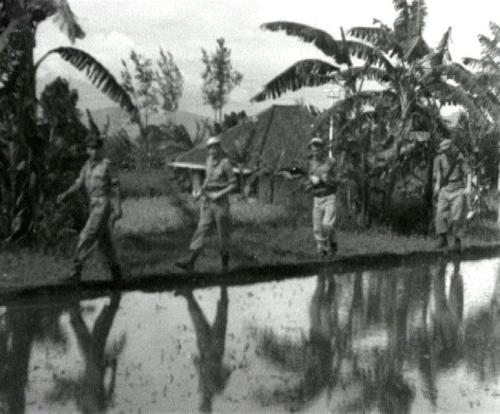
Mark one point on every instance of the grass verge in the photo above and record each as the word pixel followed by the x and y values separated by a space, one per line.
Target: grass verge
pixel 156 231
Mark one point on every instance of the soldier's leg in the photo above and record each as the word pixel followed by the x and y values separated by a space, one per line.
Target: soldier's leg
pixel 458 214
pixel 223 224
pixel 442 215
pixel 317 218
pixel 328 222
pixel 89 236
pixel 198 239
pixel 108 250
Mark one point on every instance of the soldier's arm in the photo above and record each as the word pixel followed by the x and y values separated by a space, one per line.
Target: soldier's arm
pixel 77 185
pixel 437 176
pixel 329 178
pixel 468 174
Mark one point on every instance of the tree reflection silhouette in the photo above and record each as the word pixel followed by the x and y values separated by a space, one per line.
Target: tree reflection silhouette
pixel 212 373
pixel 20 327
pixel 332 362
pixel 482 338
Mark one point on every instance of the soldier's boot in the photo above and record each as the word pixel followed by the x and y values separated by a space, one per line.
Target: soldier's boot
pixel 458 244
pixel 187 263
pixel 225 262
pixel 333 247
pixel 116 272
pixel 443 242
pixel 76 272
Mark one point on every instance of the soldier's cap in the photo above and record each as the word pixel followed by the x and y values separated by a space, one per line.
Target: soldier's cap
pixel 94 141
pixel 445 144
pixel 316 141
pixel 213 141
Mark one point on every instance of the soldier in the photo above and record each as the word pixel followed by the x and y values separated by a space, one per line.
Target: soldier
pixel 452 184
pixel 322 183
pixel 219 182
pixel 105 208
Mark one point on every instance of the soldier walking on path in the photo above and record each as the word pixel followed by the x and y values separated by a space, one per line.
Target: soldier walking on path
pixel 105 208
pixel 220 181
pixel 322 182
pixel 452 184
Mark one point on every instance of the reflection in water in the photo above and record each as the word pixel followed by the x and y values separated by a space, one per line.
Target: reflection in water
pixel 482 338
pixel 20 327
pixel 345 353
pixel 418 339
pixel 93 396
pixel 213 374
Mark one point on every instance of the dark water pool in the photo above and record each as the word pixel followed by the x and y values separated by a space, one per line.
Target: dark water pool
pixel 422 339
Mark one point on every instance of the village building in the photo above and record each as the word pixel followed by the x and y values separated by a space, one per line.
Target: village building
pixel 273 140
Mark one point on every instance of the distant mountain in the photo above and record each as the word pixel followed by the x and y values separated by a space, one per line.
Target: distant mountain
pixel 118 119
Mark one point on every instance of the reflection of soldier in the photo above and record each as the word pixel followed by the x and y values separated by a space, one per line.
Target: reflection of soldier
pixel 440 342
pixel 213 375
pixel 105 208
pixel 220 181
pixel 450 172
pixel 319 370
pixel 322 183
pixel 94 396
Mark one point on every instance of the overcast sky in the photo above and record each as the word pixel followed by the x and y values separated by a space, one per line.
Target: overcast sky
pixel 183 27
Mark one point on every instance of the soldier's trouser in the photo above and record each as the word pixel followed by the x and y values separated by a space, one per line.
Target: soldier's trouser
pixel 97 231
pixel 324 216
pixel 213 212
pixel 451 212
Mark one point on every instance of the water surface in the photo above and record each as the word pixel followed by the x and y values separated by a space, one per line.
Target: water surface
pixel 421 339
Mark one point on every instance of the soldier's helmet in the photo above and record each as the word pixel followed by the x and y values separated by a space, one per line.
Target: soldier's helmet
pixel 94 141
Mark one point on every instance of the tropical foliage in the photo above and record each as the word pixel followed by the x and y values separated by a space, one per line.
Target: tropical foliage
pixel 22 145
pixel 395 85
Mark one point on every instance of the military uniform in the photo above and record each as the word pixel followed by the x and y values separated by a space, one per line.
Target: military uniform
pixel 324 213
pixel 219 175
pixel 451 208
pixel 102 189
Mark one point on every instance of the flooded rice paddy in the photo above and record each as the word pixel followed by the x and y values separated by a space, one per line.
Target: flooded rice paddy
pixel 409 340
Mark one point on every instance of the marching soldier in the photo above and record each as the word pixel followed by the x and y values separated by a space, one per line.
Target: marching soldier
pixel 452 184
pixel 321 181
pixel 220 181
pixel 105 208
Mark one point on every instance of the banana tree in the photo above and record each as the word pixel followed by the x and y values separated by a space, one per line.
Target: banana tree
pixel 23 166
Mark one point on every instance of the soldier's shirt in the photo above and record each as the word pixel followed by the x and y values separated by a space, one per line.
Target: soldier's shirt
pixel 321 168
pixel 219 174
pixel 98 178
pixel 456 180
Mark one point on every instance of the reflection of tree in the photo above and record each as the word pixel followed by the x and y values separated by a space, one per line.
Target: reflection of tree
pixel 213 374
pixel 482 338
pixel 331 359
pixel 93 396
pixel 21 327
pixel 440 342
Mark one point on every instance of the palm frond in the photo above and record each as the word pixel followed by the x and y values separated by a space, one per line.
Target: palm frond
pixel 418 13
pixel 67 21
pixel 368 53
pixel 96 72
pixel 308 72
pixel 319 38
pixel 442 52
pixel 495 30
pixel 372 73
pixel 457 95
pixel 94 129
pixel 377 36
